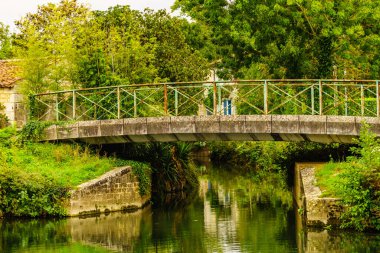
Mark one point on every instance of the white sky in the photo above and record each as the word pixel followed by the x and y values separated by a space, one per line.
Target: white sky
pixel 11 10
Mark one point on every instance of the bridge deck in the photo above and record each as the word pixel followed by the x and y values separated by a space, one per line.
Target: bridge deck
pixel 324 129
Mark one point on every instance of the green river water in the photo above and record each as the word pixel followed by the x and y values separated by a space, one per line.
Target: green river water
pixel 229 213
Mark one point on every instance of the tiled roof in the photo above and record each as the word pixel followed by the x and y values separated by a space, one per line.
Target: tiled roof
pixel 9 74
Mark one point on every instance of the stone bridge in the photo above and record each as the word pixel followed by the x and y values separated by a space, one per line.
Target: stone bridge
pixel 315 128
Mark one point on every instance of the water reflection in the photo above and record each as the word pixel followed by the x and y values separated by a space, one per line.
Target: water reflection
pixel 229 213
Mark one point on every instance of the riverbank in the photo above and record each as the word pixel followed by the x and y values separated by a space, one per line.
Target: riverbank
pixel 356 182
pixel 37 179
pixel 230 212
pixel 316 210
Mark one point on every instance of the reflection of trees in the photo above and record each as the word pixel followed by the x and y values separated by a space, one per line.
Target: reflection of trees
pixel 253 214
pixel 231 213
pixel 18 234
pixel 179 230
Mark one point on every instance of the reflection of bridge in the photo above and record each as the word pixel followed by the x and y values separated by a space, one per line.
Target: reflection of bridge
pixel 295 110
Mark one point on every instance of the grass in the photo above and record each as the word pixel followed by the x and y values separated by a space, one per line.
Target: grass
pixel 327 178
pixel 68 165
pixel 35 178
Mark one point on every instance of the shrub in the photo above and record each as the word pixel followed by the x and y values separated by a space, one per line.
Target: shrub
pixel 357 183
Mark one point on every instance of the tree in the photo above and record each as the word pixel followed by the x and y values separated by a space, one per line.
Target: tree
pixel 293 38
pixel 49 38
pixel 5 42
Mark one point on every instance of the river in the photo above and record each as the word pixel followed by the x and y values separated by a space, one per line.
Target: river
pixel 230 212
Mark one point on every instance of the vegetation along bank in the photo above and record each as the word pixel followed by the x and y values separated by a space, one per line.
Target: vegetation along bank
pixel 36 178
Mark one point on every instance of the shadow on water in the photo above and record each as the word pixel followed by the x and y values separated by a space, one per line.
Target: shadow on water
pixel 230 212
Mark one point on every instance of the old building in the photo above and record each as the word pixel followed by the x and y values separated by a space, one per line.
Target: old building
pixel 10 97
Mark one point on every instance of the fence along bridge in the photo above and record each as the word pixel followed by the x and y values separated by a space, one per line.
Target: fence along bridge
pixel 291 110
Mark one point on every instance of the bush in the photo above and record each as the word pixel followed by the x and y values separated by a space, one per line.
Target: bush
pixel 30 194
pixel 357 183
pixel 273 156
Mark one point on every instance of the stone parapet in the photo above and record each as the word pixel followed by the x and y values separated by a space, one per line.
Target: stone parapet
pixel 317 210
pixel 116 190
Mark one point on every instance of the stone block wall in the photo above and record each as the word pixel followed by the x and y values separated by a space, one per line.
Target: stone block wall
pixel 318 211
pixel 14 109
pixel 116 190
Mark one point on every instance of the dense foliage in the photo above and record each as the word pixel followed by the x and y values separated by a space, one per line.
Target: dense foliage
pixel 357 183
pixel 35 178
pixel 5 42
pixel 172 168
pixel 274 156
pixel 289 38
pixel 70 46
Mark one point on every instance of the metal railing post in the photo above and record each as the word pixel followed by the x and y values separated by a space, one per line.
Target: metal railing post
pixel 166 99
pixel 56 108
pixel 74 105
pixel 377 99
pixel 362 105
pixel 215 105
pixel 320 98
pixel 134 104
pixel 118 103
pixel 265 97
pixel 220 99
pixel 345 101
pixel 176 101
pixel 312 99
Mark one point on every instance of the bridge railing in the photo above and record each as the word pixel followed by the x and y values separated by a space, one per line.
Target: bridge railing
pixel 243 97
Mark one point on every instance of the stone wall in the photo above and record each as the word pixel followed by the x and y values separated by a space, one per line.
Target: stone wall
pixel 14 109
pixel 116 190
pixel 317 210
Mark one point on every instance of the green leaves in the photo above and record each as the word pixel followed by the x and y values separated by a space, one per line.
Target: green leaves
pixel 293 38
pixel 6 49
pixel 356 182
